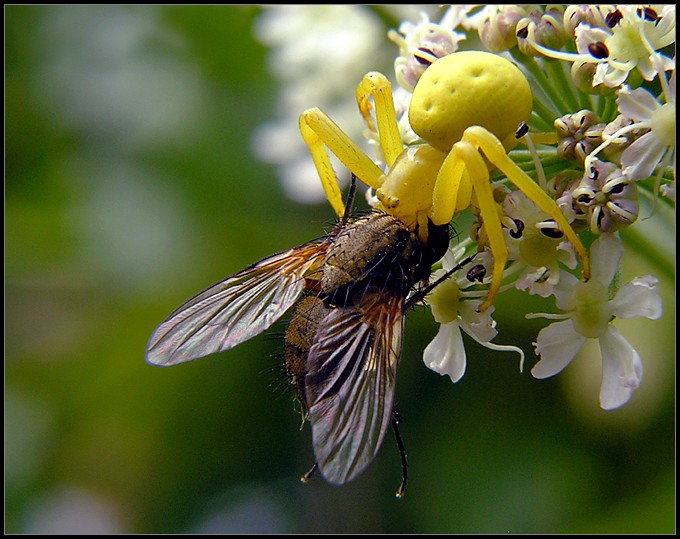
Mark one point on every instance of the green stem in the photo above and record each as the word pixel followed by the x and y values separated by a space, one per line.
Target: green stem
pixel 548 87
pixel 600 104
pixel 592 103
pixel 654 247
pixel 556 70
pixel 544 113
pixel 610 108
pixel 524 156
pixel 539 77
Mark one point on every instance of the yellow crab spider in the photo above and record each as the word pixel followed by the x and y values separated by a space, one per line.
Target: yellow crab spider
pixel 466 108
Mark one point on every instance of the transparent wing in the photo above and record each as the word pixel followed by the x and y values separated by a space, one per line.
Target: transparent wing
pixel 236 309
pixel 350 384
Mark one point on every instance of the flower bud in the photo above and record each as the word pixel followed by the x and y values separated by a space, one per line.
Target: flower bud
pixel 582 75
pixel 497 31
pixel 580 133
pixel 592 15
pixel 548 31
pixel 607 198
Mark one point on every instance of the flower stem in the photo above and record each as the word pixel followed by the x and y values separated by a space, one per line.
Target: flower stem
pixel 544 115
pixel 556 69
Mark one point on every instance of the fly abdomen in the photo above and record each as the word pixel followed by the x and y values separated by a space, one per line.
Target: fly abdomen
pixel 299 338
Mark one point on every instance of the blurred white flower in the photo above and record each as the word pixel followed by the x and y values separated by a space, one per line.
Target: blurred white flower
pixel 319 53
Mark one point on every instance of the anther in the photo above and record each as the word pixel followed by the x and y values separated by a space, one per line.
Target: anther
pixel 544 276
pixel 424 60
pixel 616 189
pixel 549 229
pixel 519 228
pixel 648 13
pixel 522 129
pixel 476 273
pixel 598 50
pixel 613 18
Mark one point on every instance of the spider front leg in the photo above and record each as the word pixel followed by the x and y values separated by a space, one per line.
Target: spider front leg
pixel 496 154
pixel 463 171
pixel 376 85
pixel 464 168
pixel 320 132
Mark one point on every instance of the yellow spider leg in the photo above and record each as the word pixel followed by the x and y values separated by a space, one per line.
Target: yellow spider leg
pixel 423 226
pixel 452 190
pixel 544 138
pixel 376 84
pixel 318 131
pixel 464 170
pixel 494 152
pixel 478 172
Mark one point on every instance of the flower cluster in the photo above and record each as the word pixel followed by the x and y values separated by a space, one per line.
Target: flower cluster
pixel 600 143
pixel 612 137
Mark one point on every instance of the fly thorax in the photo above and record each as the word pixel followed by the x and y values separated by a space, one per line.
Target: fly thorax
pixel 377 251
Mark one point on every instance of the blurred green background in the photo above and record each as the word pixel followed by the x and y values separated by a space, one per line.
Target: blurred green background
pixel 131 184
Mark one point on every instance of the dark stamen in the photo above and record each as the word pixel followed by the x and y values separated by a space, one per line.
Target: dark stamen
pixel 424 60
pixel 519 228
pixel 550 232
pixel 522 130
pixel 598 50
pixel 648 13
pixel 476 273
pixel 617 189
pixel 613 18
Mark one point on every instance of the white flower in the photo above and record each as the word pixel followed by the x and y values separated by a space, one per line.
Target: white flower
pixel 640 112
pixel 423 43
pixel 644 155
pixel 319 54
pixel 536 244
pixel 590 312
pixel 606 198
pixel 457 309
pixel 631 39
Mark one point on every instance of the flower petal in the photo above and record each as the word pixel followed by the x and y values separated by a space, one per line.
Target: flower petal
pixel 479 325
pixel 621 370
pixel 586 35
pixel 564 289
pixel 641 158
pixel 605 253
pixel 557 344
pixel 637 104
pixel 446 353
pixel 638 298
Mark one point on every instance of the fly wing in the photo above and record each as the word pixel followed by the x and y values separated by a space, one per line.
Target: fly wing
pixel 350 384
pixel 236 309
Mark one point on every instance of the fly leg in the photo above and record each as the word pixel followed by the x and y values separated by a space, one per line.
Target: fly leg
pixel 402 453
pixel 305 478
